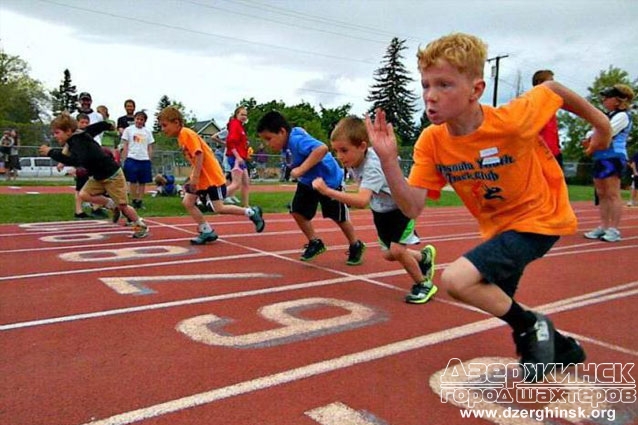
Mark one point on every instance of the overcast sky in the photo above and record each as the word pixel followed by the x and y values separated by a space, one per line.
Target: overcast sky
pixel 209 54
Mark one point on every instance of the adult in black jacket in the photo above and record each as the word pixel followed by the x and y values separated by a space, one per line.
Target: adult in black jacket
pixel 105 175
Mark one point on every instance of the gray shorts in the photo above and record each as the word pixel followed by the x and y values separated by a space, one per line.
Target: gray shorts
pixel 502 259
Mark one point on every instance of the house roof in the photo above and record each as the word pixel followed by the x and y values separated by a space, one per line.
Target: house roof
pixel 201 126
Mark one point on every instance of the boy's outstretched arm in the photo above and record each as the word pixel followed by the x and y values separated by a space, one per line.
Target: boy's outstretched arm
pixel 411 200
pixel 578 105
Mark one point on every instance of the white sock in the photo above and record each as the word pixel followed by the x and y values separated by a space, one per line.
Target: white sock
pixel 205 228
pixel 249 212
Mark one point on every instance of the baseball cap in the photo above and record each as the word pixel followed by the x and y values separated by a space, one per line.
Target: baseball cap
pixel 615 92
pixel 85 95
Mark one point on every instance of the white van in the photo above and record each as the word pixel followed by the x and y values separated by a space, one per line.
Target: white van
pixel 41 167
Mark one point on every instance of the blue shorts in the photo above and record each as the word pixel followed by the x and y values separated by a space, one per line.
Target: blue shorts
pixel 231 163
pixel 608 167
pixel 137 171
pixel 502 259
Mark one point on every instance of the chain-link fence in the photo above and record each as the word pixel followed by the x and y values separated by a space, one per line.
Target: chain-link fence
pixel 268 167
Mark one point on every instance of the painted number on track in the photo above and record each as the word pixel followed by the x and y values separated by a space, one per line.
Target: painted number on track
pixel 136 285
pixel 339 414
pixel 209 329
pixel 124 253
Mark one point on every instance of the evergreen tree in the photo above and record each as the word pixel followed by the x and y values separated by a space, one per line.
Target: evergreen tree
pixel 390 92
pixel 65 97
pixel 164 102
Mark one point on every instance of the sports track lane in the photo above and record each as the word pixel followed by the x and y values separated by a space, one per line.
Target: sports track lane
pixel 75 350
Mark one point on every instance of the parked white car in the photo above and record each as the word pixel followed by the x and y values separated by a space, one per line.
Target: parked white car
pixel 41 167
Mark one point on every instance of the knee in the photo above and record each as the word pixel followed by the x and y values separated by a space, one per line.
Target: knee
pixel 451 282
pixel 395 251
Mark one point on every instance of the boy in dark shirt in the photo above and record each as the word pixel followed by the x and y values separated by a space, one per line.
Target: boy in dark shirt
pixel 105 175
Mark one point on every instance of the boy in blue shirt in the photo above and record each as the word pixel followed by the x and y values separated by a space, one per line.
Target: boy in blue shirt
pixel 311 159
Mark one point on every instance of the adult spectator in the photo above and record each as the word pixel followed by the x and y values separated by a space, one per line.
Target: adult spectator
pixel 126 120
pixel 85 108
pixel 610 163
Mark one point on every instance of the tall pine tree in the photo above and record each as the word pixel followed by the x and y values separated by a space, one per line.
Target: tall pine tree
pixel 163 103
pixel 390 92
pixel 65 97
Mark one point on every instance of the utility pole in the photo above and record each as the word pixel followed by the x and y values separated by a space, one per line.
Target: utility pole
pixel 495 75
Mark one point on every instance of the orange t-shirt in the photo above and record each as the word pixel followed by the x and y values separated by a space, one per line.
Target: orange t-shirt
pixel 190 144
pixel 503 172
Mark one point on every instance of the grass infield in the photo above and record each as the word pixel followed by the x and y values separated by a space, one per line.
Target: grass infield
pixel 24 208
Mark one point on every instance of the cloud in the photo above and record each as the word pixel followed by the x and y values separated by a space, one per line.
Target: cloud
pixel 210 55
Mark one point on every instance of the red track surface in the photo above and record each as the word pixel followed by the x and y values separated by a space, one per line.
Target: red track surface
pixel 193 344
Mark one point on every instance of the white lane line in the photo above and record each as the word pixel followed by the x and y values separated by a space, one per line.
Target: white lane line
pixel 318 368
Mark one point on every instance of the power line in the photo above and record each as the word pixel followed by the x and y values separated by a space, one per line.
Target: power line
pixel 199 32
pixel 261 18
pixel 319 19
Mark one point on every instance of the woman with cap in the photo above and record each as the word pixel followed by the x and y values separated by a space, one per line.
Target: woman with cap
pixel 610 163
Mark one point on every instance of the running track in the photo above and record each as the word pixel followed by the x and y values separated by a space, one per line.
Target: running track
pixel 98 328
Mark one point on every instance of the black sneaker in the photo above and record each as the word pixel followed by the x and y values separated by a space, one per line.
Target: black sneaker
pixel 204 237
pixel 116 215
pixel 81 216
pixel 536 348
pixel 355 253
pixel 312 249
pixel 428 255
pixel 570 355
pixel 258 219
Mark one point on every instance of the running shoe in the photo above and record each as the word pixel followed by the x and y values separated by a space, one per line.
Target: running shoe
pixel 571 354
pixel 428 255
pixel 536 348
pixel 204 237
pixel 597 233
pixel 611 235
pixel 140 230
pixel 313 249
pixel 355 253
pixel 258 219
pixel 421 292
pixel 81 216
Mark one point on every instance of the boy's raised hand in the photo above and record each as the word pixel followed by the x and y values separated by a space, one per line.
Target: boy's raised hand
pixel 381 136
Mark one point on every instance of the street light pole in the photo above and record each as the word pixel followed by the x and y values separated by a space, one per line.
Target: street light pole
pixel 495 73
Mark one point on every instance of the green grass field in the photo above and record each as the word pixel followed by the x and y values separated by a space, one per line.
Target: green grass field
pixel 59 207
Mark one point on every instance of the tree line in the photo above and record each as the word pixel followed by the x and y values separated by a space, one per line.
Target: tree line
pixel 28 106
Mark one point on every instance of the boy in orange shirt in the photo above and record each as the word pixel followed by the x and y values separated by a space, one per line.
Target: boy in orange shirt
pixel 504 174
pixel 206 180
